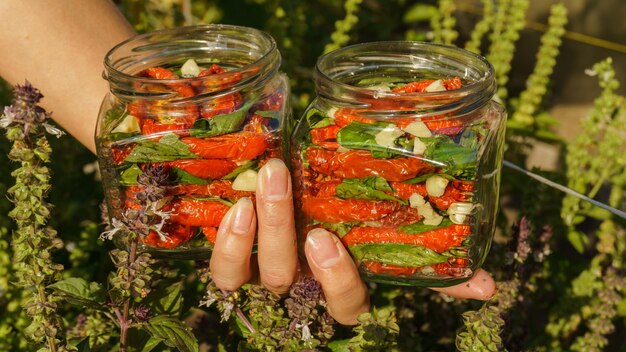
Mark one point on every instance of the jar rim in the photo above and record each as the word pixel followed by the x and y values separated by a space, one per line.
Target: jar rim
pixel 484 84
pixel 268 57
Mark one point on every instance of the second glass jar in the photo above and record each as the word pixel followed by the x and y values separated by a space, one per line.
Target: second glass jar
pixel 192 115
pixel 399 156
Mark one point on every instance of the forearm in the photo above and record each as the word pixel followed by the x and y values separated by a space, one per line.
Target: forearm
pixel 59 46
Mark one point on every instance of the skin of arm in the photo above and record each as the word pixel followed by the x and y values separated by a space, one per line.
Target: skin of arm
pixel 59 46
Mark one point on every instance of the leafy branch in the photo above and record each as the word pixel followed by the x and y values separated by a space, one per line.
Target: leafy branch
pixel 33 241
pixel 340 36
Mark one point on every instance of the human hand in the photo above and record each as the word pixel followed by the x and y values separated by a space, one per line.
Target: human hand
pixel 276 265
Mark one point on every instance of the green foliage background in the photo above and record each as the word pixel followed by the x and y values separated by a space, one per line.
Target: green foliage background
pixel 555 304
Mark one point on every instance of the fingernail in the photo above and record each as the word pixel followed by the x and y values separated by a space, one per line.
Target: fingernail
pixel 275 181
pixel 242 219
pixel 323 249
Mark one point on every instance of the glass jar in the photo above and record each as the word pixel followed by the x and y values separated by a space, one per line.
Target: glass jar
pixel 192 114
pixel 399 156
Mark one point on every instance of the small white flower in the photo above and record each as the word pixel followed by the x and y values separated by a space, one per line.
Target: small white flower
pixel 53 130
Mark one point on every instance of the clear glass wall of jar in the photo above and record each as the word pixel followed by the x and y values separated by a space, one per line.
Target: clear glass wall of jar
pixel 399 156
pixel 192 114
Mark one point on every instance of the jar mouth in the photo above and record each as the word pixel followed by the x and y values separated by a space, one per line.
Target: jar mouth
pixel 339 75
pixel 249 54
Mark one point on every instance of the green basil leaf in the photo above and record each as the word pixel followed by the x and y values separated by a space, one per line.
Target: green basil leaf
pixel 80 292
pixel 141 341
pixel 423 178
pixel 129 176
pixel 317 118
pixel 374 81
pixel 578 240
pixel 417 228
pixel 173 333
pixel 397 254
pixel 359 135
pixel 81 345
pixel 341 229
pixel 340 346
pixel 369 188
pixel 272 114
pixel 118 136
pixel 250 164
pixel 460 159
pixel 183 177
pixel 217 199
pixel 220 124
pixel 168 148
pixel 167 298
pixel 113 115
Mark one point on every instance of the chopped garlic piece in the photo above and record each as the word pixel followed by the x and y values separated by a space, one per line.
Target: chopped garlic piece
pixel 426 210
pixel 459 211
pixel 380 88
pixel 419 147
pixel 245 181
pixel 434 221
pixel 190 69
pixel 436 86
pixel 416 200
pixel 463 208
pixel 373 223
pixel 387 136
pixel 331 112
pixel 428 270
pixel 458 218
pixel 436 185
pixel 128 125
pixel 431 217
pixel 418 129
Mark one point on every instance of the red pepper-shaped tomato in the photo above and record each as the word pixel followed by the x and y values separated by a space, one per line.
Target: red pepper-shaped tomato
pixel 176 235
pixel 221 105
pixel 163 115
pixel 403 216
pixel 439 240
pixel 455 267
pixel 221 79
pixel 257 124
pixel 217 188
pixel 150 126
pixel 361 163
pixel 237 146
pixel 325 136
pixel 210 233
pixel 193 212
pixel 120 152
pixel 334 209
pixel 390 269
pixel 162 73
pixel 420 86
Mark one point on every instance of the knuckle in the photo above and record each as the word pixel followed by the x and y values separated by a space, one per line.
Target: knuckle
pixel 275 215
pixel 231 258
pixel 277 282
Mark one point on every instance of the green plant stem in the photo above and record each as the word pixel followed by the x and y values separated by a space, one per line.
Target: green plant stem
pixel 52 346
pixel 126 321
pixel 244 320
